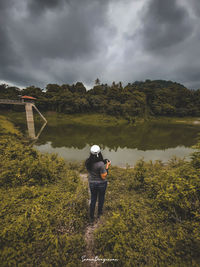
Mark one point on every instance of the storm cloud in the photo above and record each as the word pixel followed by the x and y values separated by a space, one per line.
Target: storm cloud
pixel 166 24
pixel 65 41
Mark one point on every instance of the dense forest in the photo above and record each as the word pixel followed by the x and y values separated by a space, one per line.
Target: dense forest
pixel 148 98
pixel 151 211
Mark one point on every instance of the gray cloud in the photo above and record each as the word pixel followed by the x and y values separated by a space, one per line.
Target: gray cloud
pixel 65 41
pixel 196 7
pixel 165 45
pixel 39 6
pixel 166 23
pixel 74 32
pixel 8 55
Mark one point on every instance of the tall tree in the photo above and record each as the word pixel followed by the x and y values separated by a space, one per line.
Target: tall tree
pixel 97 81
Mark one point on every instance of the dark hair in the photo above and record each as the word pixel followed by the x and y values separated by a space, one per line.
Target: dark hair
pixel 92 159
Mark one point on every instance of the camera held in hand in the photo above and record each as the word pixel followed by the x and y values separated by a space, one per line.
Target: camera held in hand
pixel 106 160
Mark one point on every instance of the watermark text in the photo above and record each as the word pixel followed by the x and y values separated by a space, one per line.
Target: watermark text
pixel 95 259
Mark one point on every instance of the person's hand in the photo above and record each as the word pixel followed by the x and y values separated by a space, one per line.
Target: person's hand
pixel 108 164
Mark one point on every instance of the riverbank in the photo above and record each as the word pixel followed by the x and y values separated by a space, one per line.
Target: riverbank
pixel 96 119
pixel 54 118
pixel 177 120
pixel 6 127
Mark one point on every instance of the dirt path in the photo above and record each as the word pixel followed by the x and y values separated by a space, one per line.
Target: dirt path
pixel 89 237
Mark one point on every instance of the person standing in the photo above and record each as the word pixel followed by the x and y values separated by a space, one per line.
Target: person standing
pixel 97 169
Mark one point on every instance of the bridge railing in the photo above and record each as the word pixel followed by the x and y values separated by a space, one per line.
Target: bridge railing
pixel 11 101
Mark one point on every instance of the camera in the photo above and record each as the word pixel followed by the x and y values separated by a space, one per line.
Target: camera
pixel 105 161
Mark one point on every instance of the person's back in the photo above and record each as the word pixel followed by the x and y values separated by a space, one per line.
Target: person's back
pixel 97 169
pixel 97 172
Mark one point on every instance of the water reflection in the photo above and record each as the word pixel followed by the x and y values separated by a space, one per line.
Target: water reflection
pixel 39 133
pixel 144 137
pixel 123 145
pixel 119 157
pixel 41 129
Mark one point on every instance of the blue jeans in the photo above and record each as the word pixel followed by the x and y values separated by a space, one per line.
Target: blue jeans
pixel 97 190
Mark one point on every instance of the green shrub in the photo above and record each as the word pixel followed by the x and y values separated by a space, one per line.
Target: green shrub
pixel 152 215
pixel 43 207
pixel 23 165
pixel 42 225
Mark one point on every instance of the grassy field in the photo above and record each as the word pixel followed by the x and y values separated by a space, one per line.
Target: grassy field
pixel 54 118
pixel 6 127
pixel 96 119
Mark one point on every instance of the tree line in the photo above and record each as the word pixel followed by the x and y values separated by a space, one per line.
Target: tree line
pixel 140 98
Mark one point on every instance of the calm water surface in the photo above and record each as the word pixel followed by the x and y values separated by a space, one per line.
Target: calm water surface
pixel 122 145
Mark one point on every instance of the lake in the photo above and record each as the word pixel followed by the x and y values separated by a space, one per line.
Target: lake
pixel 122 144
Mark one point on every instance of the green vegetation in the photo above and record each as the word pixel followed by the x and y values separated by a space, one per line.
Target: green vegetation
pixel 151 211
pixel 135 100
pixel 43 206
pixel 176 120
pixel 6 127
pixel 102 120
pixel 152 215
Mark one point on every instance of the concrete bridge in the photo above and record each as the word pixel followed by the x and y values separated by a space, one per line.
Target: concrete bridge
pixel 10 101
pixel 29 114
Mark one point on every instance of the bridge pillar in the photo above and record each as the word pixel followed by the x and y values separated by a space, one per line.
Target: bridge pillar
pixel 30 120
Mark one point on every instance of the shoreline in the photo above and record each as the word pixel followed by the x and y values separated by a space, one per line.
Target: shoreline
pixel 93 119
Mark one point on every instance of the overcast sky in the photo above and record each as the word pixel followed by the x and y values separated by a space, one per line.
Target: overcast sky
pixel 65 41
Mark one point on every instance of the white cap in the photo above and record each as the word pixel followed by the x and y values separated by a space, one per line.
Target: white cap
pixel 95 149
